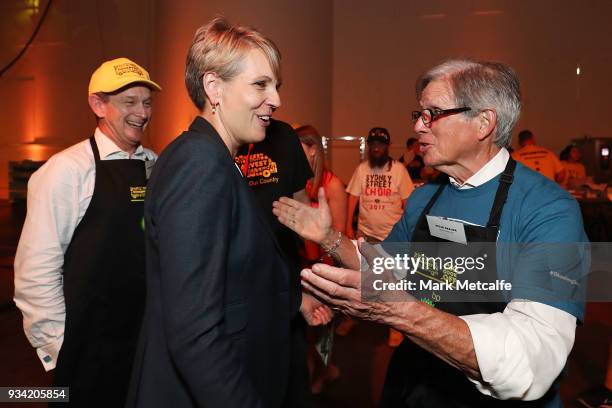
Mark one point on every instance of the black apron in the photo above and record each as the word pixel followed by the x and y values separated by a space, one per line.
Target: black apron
pixel 104 287
pixel 417 378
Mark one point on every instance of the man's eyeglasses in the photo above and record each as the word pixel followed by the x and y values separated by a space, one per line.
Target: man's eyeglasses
pixel 430 114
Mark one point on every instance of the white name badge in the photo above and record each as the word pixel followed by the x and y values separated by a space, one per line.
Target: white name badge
pixel 446 229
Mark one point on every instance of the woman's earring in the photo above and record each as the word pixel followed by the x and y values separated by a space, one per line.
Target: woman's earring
pixel 214 108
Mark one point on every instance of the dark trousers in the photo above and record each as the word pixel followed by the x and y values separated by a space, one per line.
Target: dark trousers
pixel 298 389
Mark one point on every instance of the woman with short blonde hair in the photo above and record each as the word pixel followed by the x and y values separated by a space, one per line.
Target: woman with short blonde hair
pixel 216 328
pixel 220 48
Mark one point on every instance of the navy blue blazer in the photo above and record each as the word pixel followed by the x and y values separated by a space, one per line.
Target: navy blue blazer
pixel 216 325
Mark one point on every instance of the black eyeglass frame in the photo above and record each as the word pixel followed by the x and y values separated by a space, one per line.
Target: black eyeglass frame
pixel 436 113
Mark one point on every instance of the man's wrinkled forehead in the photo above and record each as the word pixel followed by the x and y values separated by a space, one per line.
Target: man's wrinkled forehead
pixel 438 94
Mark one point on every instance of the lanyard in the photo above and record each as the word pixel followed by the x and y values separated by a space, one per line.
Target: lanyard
pixel 245 163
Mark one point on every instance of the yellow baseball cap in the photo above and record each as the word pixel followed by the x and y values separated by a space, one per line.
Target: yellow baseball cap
pixel 116 74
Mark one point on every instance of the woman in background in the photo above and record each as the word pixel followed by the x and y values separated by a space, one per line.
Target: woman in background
pixel 336 198
pixel 335 193
pixel 574 169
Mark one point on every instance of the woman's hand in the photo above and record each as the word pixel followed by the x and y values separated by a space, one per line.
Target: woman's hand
pixel 309 223
pixel 315 313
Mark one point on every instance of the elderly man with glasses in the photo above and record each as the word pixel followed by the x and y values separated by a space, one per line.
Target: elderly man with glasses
pixel 507 339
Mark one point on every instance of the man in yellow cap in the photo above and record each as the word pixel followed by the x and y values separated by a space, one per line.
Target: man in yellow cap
pixel 80 266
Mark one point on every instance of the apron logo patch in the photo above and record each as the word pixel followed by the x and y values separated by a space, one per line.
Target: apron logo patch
pixel 137 194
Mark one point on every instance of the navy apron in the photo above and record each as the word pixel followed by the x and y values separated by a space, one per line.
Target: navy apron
pixel 417 378
pixel 104 287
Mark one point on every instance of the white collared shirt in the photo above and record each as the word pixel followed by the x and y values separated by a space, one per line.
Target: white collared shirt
pixel 487 172
pixel 58 196
pixel 521 351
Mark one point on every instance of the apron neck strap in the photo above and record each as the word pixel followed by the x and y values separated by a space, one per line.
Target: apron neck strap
pixel 443 183
pixel 505 181
pixel 434 198
pixel 94 148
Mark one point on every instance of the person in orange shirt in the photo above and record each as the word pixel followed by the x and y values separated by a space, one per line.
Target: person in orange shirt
pixel 538 158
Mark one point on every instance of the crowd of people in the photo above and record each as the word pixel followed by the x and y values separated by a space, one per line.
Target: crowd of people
pixel 189 279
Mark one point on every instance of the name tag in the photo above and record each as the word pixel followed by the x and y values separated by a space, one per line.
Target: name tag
pixel 137 194
pixel 446 229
